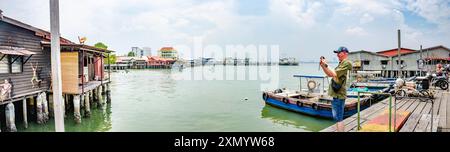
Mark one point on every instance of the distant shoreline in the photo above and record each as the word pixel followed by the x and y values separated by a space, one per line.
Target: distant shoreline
pixel 314 62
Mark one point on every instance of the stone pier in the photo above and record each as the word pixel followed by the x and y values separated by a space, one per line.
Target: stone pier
pixel 39 110
pixel 10 118
pixel 87 104
pixel 108 93
pixel 25 114
pixel 76 109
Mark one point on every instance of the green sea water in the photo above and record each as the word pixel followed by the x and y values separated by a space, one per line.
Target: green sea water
pixel 153 100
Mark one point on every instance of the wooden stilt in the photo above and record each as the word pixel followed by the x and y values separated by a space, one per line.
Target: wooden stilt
pixel 100 97
pixel 108 93
pixel 50 107
pixel 44 106
pixel 63 106
pixel 25 115
pixel 39 110
pixel 91 99
pixel 10 118
pixel 87 105
pixel 76 108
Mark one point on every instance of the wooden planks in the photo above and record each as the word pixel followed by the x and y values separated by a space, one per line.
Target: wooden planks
pixel 418 121
pixel 69 72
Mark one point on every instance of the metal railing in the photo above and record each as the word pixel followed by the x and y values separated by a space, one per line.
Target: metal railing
pixel 390 109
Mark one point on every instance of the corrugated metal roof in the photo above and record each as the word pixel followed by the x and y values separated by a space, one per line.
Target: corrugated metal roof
pixel 14 51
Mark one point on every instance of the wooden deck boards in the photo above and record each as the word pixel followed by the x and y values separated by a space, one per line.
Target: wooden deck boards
pixel 418 121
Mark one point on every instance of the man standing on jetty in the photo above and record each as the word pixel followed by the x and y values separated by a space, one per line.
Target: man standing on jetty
pixel 337 88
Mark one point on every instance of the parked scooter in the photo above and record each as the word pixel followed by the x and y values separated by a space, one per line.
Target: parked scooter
pixel 440 81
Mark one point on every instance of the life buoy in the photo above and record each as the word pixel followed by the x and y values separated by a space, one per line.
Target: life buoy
pixel 285 100
pixel 265 96
pixel 299 104
pixel 315 106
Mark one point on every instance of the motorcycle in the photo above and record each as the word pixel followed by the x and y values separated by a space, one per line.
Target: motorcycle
pixel 440 81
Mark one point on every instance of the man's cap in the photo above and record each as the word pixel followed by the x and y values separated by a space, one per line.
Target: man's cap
pixel 341 49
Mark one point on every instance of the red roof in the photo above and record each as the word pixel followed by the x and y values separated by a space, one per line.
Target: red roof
pixel 167 48
pixel 156 58
pixel 393 52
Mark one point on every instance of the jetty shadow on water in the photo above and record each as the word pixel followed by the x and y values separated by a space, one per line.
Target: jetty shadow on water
pixel 99 121
pixel 292 119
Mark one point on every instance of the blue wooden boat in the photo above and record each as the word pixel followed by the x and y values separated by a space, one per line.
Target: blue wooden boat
pixel 314 100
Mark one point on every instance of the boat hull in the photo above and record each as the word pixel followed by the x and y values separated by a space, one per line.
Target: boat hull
pixel 320 112
pixel 314 107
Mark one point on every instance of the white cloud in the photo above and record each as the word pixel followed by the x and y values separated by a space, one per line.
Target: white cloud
pixel 434 11
pixel 356 31
pixel 366 18
pixel 303 12
pixel 298 26
pixel 379 7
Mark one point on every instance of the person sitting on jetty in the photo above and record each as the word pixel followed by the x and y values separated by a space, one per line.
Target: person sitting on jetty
pixel 439 69
pixel 5 90
pixel 338 89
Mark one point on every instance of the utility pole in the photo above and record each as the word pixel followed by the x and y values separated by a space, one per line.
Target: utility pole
pixel 56 66
pixel 399 60
pixel 421 60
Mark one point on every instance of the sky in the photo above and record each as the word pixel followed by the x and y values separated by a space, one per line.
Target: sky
pixel 304 29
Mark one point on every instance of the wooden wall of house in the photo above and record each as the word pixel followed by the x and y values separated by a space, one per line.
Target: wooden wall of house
pixel 69 72
pixel 11 35
pixel 99 67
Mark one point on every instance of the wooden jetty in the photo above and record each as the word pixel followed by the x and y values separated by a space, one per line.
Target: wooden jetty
pixel 418 121
pixel 25 75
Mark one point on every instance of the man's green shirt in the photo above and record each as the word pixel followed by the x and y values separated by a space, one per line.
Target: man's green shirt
pixel 341 72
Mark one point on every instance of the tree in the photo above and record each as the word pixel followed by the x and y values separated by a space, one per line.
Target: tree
pixel 111 59
pixel 100 45
pixel 131 54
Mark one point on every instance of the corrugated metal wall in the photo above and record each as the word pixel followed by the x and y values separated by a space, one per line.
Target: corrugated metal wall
pixel 19 37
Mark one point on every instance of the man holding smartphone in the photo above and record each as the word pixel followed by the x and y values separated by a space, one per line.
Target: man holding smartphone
pixel 338 89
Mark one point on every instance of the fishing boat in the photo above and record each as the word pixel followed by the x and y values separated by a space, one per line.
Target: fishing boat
pixel 315 101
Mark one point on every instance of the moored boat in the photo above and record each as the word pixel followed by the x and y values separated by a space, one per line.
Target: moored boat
pixel 315 101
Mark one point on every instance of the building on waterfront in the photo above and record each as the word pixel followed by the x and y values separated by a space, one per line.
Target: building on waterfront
pixel 126 62
pixel 387 61
pixel 168 53
pixel 141 52
pixel 25 72
pixel 159 62
pixel 147 51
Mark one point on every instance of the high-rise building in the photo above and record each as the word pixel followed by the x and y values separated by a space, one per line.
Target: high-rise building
pixel 147 51
pixel 141 52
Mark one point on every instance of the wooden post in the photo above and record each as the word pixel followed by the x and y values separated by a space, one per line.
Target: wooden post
pixel 56 66
pixel 10 118
pixel 108 92
pixel 39 110
pixel 91 98
pixel 87 105
pixel 44 106
pixel 76 108
pixel 63 107
pixel 104 96
pixel 24 107
pixel 399 56
pixel 50 107
pixel 100 96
